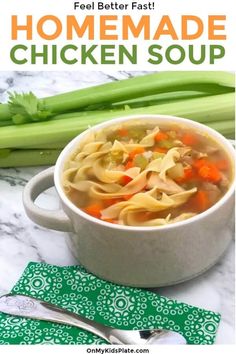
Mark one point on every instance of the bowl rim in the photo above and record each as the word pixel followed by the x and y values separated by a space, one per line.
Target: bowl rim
pixel 71 145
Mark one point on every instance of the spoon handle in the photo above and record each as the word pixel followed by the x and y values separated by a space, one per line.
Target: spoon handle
pixel 26 306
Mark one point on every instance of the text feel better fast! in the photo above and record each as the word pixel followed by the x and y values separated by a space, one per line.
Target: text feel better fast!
pixel 114 5
pixel 119 36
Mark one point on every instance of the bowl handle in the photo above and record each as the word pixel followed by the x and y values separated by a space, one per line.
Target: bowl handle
pixel 52 219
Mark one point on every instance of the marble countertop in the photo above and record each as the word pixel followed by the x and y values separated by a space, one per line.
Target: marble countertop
pixel 21 241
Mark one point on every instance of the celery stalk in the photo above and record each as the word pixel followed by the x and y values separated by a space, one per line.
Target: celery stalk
pixel 162 98
pixel 205 110
pixel 20 158
pixel 55 146
pixel 98 96
pixel 4 123
pixel 136 87
pixel 226 128
pixel 5 113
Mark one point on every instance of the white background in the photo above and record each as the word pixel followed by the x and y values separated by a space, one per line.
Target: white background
pixel 173 8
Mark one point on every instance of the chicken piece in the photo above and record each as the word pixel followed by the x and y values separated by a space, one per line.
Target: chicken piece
pixel 211 149
pixel 187 160
pixel 213 192
pixel 198 154
pixel 224 182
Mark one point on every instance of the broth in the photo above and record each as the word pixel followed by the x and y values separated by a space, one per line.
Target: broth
pixel 146 175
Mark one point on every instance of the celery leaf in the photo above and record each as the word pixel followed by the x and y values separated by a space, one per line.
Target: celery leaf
pixel 26 108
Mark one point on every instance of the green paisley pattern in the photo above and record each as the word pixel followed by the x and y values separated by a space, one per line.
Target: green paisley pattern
pixel 117 306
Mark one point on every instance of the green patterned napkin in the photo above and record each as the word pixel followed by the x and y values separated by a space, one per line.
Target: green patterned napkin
pixel 117 306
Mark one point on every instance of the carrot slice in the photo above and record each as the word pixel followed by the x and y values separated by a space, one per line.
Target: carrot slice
pixel 125 179
pixel 210 173
pixel 123 132
pixel 129 164
pixel 199 163
pixel 136 151
pixel 207 170
pixel 188 175
pixel 93 210
pixel 160 149
pixel 160 136
pixel 127 197
pixel 202 201
pixel 189 139
pixel 109 202
pixel 111 221
pixel 145 215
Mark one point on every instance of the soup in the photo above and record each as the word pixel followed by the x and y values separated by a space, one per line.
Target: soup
pixel 140 174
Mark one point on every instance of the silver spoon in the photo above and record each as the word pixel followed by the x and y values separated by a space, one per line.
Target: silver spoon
pixel 26 306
